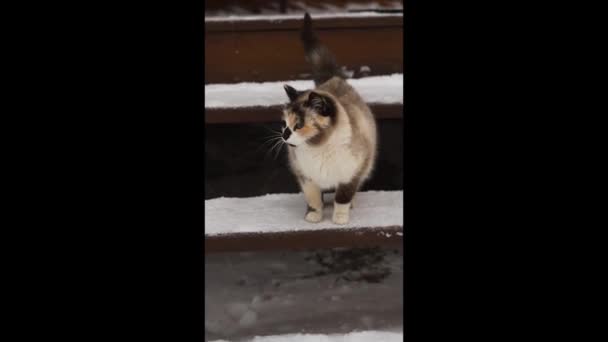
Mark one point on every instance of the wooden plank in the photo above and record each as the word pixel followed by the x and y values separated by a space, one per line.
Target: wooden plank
pixel 268 6
pixel 272 114
pixel 261 51
pixel 311 239
pixel 295 24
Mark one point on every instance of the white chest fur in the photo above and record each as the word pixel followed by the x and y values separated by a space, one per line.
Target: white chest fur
pixel 330 164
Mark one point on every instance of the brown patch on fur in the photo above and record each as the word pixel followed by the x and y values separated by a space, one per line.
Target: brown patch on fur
pixel 325 127
pixel 320 137
pixel 346 192
pixel 309 209
pixel 323 121
pixel 290 120
pixel 306 131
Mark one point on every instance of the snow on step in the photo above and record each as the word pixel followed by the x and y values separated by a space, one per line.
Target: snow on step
pixel 281 17
pixel 285 212
pixel 375 89
pixel 360 336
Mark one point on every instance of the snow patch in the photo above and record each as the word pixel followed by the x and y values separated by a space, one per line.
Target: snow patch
pixel 375 89
pixel 361 336
pixel 299 7
pixel 285 212
pixel 281 17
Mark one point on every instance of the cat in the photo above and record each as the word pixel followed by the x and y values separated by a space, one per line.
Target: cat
pixel 330 132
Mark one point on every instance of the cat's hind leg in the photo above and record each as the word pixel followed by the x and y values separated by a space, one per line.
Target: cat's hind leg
pixel 343 201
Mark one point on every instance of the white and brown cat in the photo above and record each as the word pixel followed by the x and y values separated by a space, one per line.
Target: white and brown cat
pixel 331 133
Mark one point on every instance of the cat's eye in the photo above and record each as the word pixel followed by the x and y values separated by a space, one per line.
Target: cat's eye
pixel 299 125
pixel 283 123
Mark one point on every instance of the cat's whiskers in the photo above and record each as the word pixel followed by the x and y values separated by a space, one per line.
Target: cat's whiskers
pixel 269 139
pixel 280 149
pixel 269 129
pixel 279 142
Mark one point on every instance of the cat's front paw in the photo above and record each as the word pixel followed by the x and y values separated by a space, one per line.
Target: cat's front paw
pixel 341 213
pixel 340 218
pixel 313 216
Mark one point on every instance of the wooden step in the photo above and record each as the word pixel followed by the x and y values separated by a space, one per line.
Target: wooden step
pixel 241 115
pixel 253 7
pixel 262 102
pixel 258 49
pixel 391 236
pixel 276 222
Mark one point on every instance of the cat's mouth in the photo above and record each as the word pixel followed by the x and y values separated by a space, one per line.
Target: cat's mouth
pixel 292 145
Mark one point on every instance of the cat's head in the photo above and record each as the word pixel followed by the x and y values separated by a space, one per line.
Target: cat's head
pixel 309 117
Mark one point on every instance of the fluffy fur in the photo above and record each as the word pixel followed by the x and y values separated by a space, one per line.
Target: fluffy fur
pixel 331 134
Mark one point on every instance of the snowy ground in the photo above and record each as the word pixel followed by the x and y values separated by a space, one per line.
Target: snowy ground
pixel 285 212
pixel 315 292
pixel 374 89
pixel 363 336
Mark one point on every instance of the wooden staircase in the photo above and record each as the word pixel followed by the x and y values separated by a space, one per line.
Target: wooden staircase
pixel 264 279
pixel 267 49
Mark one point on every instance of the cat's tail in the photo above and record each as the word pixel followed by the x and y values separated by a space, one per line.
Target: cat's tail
pixel 323 62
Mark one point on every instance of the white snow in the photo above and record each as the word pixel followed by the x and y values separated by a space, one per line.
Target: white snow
pixel 300 7
pixel 375 89
pixel 285 212
pixel 280 17
pixel 358 5
pixel 360 336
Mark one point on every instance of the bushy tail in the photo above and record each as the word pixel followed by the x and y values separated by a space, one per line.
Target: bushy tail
pixel 323 63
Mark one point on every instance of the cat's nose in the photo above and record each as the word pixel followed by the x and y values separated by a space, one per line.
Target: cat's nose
pixel 286 133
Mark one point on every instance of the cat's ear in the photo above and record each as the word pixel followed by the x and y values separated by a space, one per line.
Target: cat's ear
pixel 291 92
pixel 321 104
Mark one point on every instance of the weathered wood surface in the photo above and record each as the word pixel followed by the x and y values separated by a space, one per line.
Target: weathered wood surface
pixel 270 50
pixel 307 239
pixel 282 6
pixel 273 114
